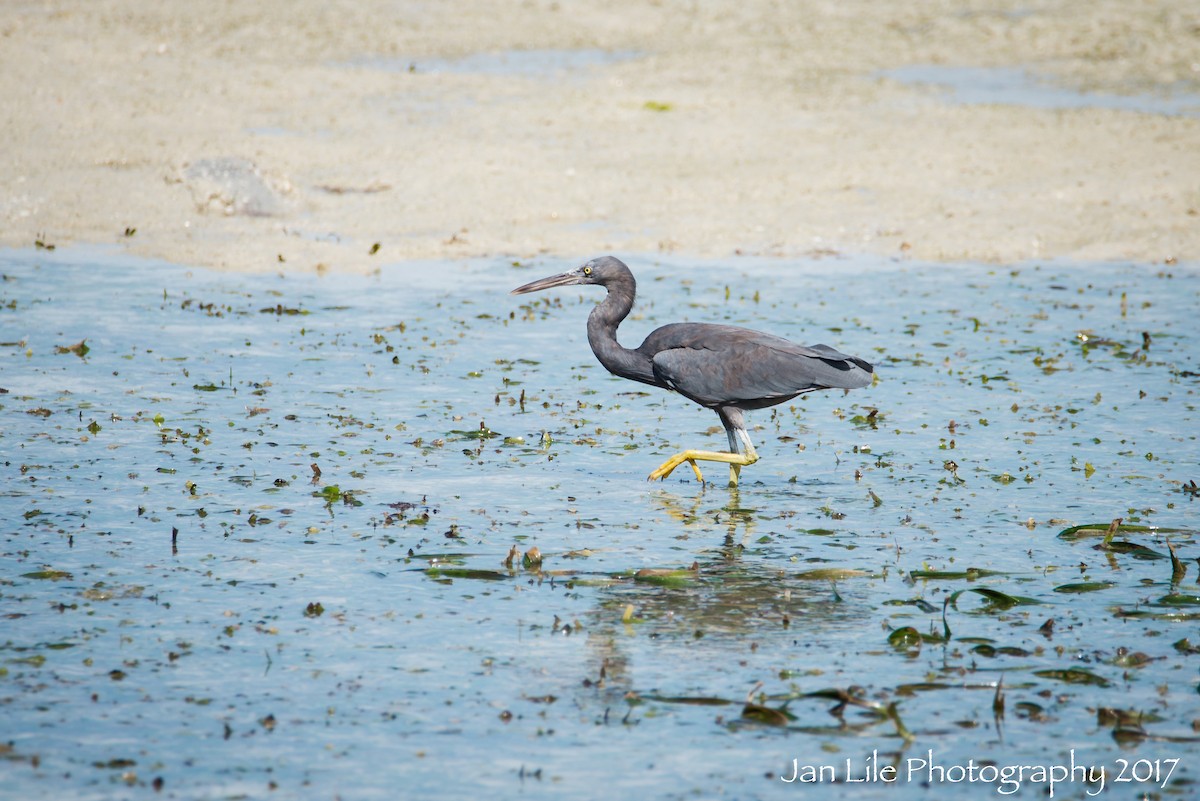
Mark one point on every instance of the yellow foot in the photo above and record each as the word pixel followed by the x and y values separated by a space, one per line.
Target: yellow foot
pixel 735 461
pixel 667 467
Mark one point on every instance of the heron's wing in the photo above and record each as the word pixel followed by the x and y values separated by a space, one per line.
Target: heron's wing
pixel 717 365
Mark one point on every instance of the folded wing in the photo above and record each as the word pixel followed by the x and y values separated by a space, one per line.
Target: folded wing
pixel 717 365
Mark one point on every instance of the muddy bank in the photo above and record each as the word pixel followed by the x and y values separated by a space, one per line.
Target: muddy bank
pixel 349 135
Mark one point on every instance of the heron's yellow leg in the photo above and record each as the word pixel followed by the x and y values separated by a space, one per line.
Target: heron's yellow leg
pixel 736 462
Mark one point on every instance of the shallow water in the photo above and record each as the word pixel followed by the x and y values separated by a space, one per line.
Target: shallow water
pixel 1015 86
pixel 186 601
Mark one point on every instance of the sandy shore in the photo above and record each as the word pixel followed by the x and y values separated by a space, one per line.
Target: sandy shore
pixel 302 134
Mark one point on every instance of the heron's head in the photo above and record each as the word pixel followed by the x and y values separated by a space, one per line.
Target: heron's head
pixel 604 271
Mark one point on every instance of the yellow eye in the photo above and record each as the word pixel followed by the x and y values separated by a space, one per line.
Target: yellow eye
pixel 587 270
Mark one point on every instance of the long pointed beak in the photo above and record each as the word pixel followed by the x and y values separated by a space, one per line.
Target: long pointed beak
pixel 564 279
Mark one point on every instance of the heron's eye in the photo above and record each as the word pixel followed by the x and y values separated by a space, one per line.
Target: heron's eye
pixel 587 270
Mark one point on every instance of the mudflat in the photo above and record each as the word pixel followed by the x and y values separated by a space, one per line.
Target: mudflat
pixel 344 135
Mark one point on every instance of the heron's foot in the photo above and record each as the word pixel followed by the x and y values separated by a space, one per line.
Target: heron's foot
pixel 736 462
pixel 667 467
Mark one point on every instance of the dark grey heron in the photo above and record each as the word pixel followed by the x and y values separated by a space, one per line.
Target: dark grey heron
pixel 727 369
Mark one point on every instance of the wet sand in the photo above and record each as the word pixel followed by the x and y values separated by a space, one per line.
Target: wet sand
pixel 310 135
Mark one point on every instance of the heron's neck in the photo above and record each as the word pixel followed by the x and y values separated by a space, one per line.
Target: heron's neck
pixel 602 336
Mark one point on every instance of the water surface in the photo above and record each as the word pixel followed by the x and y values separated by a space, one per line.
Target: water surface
pixel 1016 86
pixel 257 533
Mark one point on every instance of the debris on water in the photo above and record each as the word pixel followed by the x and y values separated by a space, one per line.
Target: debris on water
pixel 47 575
pixel 766 715
pixel 1073 676
pixel 1084 586
pixel 446 574
pixel 483 432
pixel 80 348
pixel 1185 646
pixel 996 600
pixel 1178 568
pixel 280 310
pixel 830 574
pixel 905 638
pixel 998 700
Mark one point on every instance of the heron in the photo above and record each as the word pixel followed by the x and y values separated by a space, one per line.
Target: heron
pixel 727 369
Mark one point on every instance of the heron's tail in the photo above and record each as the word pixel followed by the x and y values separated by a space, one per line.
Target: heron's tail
pixel 849 372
